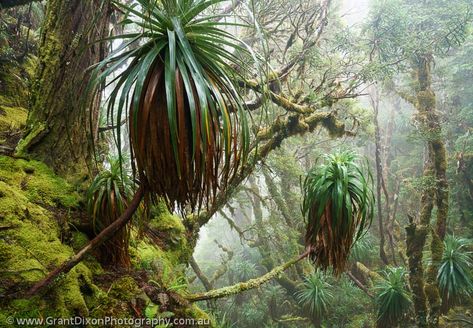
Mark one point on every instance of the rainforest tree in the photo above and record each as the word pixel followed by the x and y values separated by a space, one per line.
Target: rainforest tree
pixel 58 126
pixel 188 155
pixel 399 35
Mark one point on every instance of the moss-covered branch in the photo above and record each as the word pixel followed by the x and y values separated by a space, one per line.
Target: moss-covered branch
pixel 271 138
pixel 243 286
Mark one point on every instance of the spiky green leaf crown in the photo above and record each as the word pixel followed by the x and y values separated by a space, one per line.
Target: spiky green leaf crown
pixel 393 296
pixel 188 130
pixel 338 206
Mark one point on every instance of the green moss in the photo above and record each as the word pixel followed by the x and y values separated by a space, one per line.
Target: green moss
pixel 14 87
pixel 173 231
pixel 124 289
pixel 37 182
pixel 33 135
pixel 12 118
pixel 31 244
pixel 79 240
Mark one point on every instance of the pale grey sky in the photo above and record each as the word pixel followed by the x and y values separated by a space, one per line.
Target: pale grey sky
pixel 354 11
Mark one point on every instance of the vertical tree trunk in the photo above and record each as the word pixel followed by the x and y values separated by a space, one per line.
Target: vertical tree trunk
pixel 379 177
pixel 426 102
pixel 415 241
pixel 60 116
pixel 431 129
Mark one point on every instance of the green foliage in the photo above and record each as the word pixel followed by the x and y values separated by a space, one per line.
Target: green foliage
pixel 338 204
pixel 316 294
pixel 455 276
pixel 245 270
pixel 353 307
pixel 393 297
pixel 402 29
pixel 186 116
pixel 108 193
pixel 107 199
pixel 363 248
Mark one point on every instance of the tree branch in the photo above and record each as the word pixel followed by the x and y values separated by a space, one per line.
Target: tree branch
pixel 359 284
pixel 103 236
pixel 243 286
pixel 198 272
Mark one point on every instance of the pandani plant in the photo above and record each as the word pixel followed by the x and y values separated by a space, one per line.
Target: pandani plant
pixel 393 297
pixel 455 274
pixel 338 207
pixel 107 199
pixel 174 81
pixel 315 294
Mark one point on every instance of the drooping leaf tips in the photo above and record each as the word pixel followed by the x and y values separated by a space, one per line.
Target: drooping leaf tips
pixel 338 206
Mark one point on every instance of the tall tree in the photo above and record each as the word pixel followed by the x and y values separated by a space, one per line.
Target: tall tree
pixel 56 132
pixel 409 35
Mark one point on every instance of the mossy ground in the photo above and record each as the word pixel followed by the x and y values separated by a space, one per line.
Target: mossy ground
pixel 32 239
pixel 36 211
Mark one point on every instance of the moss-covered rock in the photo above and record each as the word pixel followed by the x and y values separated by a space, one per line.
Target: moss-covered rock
pixel 35 209
pixel 168 231
pixel 31 239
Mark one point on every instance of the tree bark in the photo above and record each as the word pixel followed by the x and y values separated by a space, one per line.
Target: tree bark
pixel 202 277
pixel 61 118
pixel 379 177
pixel 435 169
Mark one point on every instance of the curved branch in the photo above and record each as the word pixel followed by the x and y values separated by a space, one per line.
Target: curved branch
pixel 103 236
pixel 250 284
pixel 198 272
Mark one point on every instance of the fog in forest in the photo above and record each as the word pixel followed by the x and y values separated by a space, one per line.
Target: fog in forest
pixel 244 163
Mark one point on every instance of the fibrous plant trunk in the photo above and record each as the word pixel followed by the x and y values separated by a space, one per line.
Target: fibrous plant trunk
pixel 58 126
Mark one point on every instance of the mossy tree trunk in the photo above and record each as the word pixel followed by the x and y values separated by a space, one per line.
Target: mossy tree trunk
pixel 60 117
pixel 379 177
pixel 435 171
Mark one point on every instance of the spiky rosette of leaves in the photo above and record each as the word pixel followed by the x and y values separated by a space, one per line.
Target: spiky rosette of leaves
pixel 107 199
pixel 338 206
pixel 455 276
pixel 188 130
pixel 393 297
pixel 315 293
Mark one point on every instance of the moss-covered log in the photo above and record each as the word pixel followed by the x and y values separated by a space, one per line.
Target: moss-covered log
pixel 56 126
pixel 243 286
